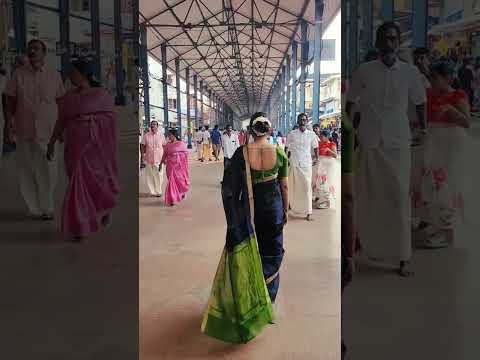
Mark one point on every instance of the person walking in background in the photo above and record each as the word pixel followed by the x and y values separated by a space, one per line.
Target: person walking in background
pixel 216 142
pixel 175 157
pixel 152 151
pixel 324 172
pixel 300 145
pixel 241 137
pixel 199 143
pixel 334 138
pixel 207 145
pixel 384 157
pixel 448 114
pixel 230 144
pixel 87 119
pixel 31 115
pixel 476 85
pixel 466 77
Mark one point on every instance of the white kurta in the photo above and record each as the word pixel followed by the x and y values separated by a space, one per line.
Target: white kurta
pixel 300 145
pixel 384 159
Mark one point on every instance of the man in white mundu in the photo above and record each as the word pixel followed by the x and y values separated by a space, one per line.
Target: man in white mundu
pixel 199 142
pixel 383 88
pixel 31 103
pixel 152 149
pixel 300 144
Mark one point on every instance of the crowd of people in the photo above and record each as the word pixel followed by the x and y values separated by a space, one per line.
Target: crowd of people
pixel 39 114
pixel 267 178
pixel 409 110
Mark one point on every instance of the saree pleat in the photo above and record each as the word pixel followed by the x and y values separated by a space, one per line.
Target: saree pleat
pixel 240 304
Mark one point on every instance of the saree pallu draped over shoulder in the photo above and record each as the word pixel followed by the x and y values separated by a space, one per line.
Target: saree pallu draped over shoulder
pixel 240 304
pixel 90 160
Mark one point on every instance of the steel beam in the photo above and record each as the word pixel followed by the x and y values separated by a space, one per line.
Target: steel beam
pixel 179 97
pixel 119 74
pixel 288 77
pixel 145 75
pixel 317 58
pixel 293 106
pixel 95 26
pixel 201 102
pixel 420 23
pixel 189 121
pixel 367 24
pixel 345 39
pixel 165 89
pixel 210 107
pixel 303 63
pixel 64 17
pixel 388 9
pixel 195 95
pixel 20 25
pixel 352 36
pixel 282 99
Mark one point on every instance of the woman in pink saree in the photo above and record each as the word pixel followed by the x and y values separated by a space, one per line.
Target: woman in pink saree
pixel 87 121
pixel 175 156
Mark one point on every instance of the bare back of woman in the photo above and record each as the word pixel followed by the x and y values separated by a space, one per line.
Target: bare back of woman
pixel 262 155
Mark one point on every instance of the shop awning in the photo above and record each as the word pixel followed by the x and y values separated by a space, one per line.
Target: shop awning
pixel 469 23
pixel 330 115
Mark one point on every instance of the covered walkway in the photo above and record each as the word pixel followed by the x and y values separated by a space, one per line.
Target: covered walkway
pixel 179 252
pixel 207 63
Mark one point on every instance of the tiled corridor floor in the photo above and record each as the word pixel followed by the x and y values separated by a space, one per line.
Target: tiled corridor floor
pixel 179 251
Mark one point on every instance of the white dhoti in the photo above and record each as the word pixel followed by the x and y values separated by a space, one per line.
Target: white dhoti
pixel 200 151
pixel 443 183
pixel 300 189
pixel 383 202
pixel 323 182
pixel 154 179
pixel 37 176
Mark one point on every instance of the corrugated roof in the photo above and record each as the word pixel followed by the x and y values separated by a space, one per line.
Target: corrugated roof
pixel 235 46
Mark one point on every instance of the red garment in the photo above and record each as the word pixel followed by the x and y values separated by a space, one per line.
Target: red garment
pixel 324 146
pixel 435 101
pixel 241 138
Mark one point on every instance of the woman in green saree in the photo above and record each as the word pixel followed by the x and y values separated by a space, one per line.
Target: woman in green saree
pixel 255 200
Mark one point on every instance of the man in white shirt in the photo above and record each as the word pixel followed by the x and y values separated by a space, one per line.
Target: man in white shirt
pixel 31 115
pixel 230 144
pixel 198 142
pixel 300 144
pixel 152 151
pixel 207 148
pixel 382 89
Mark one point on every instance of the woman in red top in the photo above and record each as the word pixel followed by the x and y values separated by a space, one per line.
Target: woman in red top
pixel 448 114
pixel 324 171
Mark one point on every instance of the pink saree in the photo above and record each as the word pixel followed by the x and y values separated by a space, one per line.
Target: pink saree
pixel 176 159
pixel 90 160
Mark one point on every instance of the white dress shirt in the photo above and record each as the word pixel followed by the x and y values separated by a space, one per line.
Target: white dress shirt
pixel 199 136
pixel 383 96
pixel 230 144
pixel 206 137
pixel 300 145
